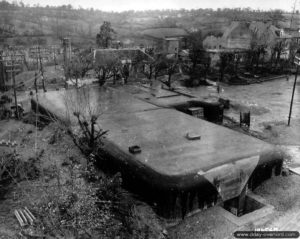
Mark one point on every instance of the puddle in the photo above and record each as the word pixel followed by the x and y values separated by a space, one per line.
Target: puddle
pixel 293 151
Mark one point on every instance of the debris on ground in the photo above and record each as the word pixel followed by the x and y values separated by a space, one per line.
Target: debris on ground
pixel 24 216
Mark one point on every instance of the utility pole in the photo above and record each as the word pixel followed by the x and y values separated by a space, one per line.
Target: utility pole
pixel 35 82
pixel 36 51
pixel 297 62
pixel 53 48
pixel 37 61
pixel 41 69
pixel 293 13
pixel 2 81
pixel 67 55
pixel 13 71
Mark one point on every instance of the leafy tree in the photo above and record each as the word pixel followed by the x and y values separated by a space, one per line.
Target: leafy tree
pixel 196 47
pixel 104 37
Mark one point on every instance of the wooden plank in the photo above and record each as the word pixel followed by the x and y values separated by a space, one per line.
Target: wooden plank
pixel 295 170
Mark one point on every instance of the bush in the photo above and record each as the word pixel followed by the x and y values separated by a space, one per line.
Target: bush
pixel 13 168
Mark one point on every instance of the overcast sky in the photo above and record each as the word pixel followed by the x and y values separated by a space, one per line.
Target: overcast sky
pixel 121 5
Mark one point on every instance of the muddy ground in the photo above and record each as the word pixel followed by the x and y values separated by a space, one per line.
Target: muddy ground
pixel 53 151
pixel 58 163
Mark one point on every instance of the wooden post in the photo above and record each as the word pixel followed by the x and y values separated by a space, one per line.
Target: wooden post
pixel 37 58
pixel 292 100
pixel 35 82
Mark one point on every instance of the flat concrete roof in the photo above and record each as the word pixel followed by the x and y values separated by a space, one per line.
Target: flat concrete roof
pixel 109 101
pixel 163 97
pixel 168 158
pixel 161 134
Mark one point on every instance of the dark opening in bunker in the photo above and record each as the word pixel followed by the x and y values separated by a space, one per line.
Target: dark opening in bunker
pixel 212 112
pixel 250 205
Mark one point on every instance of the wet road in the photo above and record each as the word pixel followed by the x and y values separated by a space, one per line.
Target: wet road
pixel 268 101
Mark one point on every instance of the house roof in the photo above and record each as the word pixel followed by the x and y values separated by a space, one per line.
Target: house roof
pixel 233 27
pixel 162 33
pixel 244 30
pixel 262 28
pixel 103 56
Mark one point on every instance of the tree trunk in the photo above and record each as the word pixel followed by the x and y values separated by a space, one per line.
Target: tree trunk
pixel 272 58
pixel 277 57
pixel 257 60
pixel 169 80
pixel 114 78
pixel 221 74
pixel 150 73
pixel 92 138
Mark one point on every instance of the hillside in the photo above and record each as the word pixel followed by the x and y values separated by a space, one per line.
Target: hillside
pixel 22 25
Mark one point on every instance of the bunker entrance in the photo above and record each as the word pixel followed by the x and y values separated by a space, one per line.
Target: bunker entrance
pixel 212 112
pixel 239 209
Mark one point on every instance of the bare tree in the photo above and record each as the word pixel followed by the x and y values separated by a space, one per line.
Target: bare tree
pixel 106 69
pixel 225 59
pixel 85 112
pixel 165 66
pixel 79 66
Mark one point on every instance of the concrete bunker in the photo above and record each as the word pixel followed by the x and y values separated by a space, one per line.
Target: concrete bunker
pixel 177 176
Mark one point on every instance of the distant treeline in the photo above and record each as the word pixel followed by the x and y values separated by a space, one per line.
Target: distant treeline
pixel 19 19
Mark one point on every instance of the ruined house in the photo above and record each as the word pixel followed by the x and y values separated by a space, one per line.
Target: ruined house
pixel 242 36
pixel 165 40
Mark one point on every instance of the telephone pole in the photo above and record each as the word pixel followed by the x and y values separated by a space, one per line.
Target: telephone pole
pixel 36 52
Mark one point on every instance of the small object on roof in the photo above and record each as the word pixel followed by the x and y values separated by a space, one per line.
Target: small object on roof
pixel 135 149
pixel 193 136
